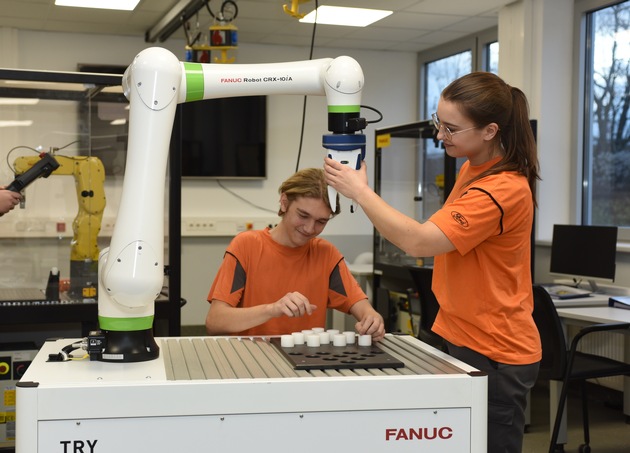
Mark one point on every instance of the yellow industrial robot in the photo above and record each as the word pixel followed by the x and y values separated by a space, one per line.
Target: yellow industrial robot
pixel 89 178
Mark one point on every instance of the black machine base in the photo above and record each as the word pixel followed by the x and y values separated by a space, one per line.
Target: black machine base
pixel 115 346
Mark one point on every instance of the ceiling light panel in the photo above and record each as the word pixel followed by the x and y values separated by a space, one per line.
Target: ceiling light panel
pixel 123 5
pixel 339 15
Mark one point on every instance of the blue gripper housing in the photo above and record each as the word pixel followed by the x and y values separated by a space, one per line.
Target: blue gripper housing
pixel 345 142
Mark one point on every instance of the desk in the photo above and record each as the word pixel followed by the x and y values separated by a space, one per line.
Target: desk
pixel 593 315
pixel 594 300
pixel 584 316
pixel 12 313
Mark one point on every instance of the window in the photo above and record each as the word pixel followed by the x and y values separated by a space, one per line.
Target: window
pixel 438 68
pixel 440 73
pixel 491 57
pixel 606 119
pixel 443 64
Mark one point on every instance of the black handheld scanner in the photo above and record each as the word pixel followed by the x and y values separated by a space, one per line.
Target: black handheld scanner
pixel 46 165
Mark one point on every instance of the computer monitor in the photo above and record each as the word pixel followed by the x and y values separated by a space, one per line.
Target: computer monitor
pixel 584 252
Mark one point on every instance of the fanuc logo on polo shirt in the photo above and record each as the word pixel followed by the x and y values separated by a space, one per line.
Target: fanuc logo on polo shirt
pixel 459 219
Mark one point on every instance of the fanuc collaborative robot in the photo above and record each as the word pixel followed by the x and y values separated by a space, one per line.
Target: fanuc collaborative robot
pixel 131 268
pixel 233 393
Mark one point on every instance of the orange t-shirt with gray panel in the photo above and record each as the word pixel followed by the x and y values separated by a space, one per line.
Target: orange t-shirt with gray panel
pixel 257 270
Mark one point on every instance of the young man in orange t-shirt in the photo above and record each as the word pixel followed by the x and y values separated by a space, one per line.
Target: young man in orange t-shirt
pixel 281 280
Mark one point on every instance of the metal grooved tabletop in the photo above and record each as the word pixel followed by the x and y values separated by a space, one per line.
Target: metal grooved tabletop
pixel 200 358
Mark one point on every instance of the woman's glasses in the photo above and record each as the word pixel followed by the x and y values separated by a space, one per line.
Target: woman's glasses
pixel 447 132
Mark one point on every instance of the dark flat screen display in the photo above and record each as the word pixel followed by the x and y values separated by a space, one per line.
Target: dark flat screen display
pixel 584 251
pixel 222 138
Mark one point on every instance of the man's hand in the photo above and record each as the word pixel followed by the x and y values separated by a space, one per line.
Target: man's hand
pixel 370 322
pixel 292 305
pixel 373 325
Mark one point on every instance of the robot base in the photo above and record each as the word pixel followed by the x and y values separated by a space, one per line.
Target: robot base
pixel 134 346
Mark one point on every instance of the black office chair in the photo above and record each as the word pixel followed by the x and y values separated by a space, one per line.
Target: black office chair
pixel 566 365
pixel 429 307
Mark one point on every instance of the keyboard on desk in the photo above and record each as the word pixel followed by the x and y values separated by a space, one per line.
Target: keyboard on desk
pixel 566 292
pixel 44 303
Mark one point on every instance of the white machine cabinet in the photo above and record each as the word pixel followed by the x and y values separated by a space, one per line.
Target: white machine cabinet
pixel 232 394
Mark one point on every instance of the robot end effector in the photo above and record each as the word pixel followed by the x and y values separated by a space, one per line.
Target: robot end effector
pixel 343 86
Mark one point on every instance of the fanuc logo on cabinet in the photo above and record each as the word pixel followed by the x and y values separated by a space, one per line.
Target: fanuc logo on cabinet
pixel 435 433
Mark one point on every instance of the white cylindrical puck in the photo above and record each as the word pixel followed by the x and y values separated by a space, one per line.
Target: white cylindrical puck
pixel 286 341
pixel 365 340
pixel 324 338
pixel 339 340
pixel 333 332
pixel 350 337
pixel 312 340
pixel 318 329
pixel 298 337
pixel 307 332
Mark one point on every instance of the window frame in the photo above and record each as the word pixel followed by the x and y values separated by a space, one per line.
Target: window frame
pixel 580 133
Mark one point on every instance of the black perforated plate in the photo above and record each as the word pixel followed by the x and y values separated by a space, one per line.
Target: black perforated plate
pixel 329 357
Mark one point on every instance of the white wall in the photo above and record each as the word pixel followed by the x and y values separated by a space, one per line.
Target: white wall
pixel 394 97
pixel 535 54
pixel 393 93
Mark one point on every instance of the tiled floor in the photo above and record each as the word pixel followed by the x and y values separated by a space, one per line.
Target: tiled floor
pixel 608 428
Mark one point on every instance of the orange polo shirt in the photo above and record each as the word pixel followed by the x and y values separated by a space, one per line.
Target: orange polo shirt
pixel 484 287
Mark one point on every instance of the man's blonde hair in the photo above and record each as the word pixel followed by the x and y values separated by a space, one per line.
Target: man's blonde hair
pixel 308 182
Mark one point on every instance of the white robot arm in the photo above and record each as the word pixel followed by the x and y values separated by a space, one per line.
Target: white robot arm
pixel 131 268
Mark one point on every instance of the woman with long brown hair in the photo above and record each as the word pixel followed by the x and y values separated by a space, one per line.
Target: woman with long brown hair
pixel 481 242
